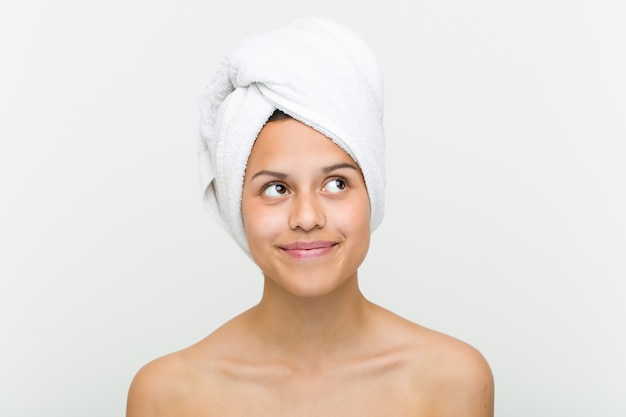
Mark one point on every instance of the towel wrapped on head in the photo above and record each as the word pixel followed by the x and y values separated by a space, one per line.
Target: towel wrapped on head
pixel 315 70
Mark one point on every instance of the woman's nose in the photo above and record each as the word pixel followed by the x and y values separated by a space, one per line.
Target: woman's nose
pixel 307 212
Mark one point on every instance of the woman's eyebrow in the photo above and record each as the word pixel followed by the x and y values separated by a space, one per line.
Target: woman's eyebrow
pixel 278 175
pixel 325 170
pixel 332 168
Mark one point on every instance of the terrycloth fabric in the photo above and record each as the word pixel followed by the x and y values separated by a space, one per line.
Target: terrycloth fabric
pixel 319 72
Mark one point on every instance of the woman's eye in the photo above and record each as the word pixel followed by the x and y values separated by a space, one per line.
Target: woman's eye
pixel 275 190
pixel 336 185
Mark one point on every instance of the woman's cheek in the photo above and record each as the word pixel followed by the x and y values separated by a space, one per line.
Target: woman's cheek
pixel 354 217
pixel 264 221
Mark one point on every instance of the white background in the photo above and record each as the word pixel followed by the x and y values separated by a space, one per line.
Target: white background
pixel 506 202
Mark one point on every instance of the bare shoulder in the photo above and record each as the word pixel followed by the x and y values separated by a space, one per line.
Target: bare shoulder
pixel 169 386
pixel 460 376
pixel 153 387
pixel 184 383
pixel 449 377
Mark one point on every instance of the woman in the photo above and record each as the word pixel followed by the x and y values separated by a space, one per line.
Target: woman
pixel 292 164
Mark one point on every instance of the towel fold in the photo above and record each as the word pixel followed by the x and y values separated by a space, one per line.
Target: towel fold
pixel 317 71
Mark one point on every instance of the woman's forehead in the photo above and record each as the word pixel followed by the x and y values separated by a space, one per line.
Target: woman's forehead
pixel 291 139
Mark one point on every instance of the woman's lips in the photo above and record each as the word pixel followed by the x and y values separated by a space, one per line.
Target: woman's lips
pixel 308 250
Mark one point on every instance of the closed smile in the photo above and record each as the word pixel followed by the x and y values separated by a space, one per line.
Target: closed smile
pixel 308 250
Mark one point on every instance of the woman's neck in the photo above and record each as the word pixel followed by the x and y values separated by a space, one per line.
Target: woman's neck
pixel 308 330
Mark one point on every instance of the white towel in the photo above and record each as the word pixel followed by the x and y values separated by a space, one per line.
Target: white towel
pixel 319 72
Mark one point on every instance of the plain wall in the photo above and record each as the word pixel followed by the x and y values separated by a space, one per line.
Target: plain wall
pixel 506 201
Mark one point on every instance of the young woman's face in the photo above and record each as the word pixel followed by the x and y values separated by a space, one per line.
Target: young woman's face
pixel 305 209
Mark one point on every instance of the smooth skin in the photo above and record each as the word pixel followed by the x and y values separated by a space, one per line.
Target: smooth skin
pixel 314 345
